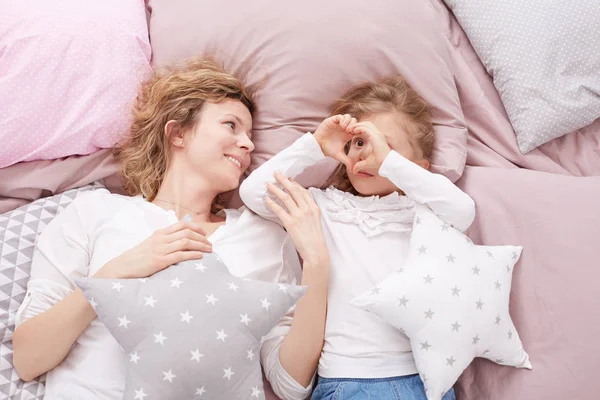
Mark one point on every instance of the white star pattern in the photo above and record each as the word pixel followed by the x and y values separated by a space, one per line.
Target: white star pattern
pixel 169 376
pixel 149 301
pixel 117 286
pixel 283 288
pixel 176 283
pixel 143 280
pixel 134 358
pixel 245 319
pixel 93 303
pixel 265 304
pixel 221 335
pixel 255 392
pixel 233 286
pixel 196 355
pixel 250 355
pixel 139 394
pixel 202 268
pixel 123 321
pixel 228 373
pixel 210 298
pixel 200 392
pixel 160 338
pixel 186 317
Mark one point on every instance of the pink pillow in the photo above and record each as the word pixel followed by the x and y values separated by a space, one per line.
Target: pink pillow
pixel 69 71
pixel 306 54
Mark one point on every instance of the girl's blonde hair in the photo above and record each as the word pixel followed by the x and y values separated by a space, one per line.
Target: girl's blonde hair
pixel 393 95
pixel 170 94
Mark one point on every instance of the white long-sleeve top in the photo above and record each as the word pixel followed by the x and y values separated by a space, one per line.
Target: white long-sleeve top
pixel 368 239
pixel 99 226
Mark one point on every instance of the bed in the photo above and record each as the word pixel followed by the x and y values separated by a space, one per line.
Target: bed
pixel 546 198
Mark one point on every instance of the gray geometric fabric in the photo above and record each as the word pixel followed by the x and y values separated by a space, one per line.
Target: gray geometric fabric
pixel 544 57
pixel 19 230
pixel 192 330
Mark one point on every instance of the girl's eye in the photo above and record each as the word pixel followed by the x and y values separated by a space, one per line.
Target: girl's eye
pixel 231 124
pixel 359 142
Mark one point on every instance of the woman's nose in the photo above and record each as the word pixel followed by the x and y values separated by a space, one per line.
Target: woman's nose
pixel 246 144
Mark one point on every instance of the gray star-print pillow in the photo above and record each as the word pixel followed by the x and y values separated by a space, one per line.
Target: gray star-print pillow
pixel 451 300
pixel 192 330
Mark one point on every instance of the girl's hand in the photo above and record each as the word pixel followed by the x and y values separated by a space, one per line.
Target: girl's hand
pixel 181 241
pixel 301 218
pixel 333 134
pixel 378 147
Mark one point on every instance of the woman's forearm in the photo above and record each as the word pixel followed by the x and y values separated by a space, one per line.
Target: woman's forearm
pixel 42 342
pixel 301 348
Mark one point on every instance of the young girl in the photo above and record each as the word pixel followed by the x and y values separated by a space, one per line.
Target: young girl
pixel 383 137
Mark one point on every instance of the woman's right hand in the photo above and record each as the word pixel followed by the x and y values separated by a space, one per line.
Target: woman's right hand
pixel 179 242
pixel 333 134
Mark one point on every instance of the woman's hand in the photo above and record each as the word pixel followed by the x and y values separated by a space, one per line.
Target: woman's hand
pixel 301 218
pixel 378 146
pixel 333 135
pixel 179 242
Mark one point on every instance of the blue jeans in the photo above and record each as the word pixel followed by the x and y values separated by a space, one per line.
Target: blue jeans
pixel 398 388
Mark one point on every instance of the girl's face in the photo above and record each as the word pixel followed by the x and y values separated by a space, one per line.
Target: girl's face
pixel 369 183
pixel 217 150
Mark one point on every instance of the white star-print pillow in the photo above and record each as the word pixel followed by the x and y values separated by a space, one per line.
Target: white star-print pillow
pixel 451 299
pixel 191 331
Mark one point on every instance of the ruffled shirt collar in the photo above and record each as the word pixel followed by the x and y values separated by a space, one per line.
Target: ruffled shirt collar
pixel 374 215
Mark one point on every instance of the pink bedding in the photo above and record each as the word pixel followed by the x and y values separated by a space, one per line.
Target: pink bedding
pixel 548 201
pixel 554 298
pixel 553 210
pixel 24 182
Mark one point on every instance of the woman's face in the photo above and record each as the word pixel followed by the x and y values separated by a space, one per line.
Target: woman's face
pixel 218 149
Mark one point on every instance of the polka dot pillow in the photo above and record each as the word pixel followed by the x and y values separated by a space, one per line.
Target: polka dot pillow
pixel 544 57
pixel 70 71
pixel 451 300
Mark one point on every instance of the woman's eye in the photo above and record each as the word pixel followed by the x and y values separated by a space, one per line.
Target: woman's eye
pixel 359 142
pixel 231 124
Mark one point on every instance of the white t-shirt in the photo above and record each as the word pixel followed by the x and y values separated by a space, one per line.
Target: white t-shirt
pixel 99 226
pixel 368 239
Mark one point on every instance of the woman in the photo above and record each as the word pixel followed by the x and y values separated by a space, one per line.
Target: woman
pixel 189 143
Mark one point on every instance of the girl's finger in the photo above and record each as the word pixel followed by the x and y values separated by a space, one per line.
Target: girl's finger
pixel 351 125
pixel 277 210
pixel 345 121
pixel 344 159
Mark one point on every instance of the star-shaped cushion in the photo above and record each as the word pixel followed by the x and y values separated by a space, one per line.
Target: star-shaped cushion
pixel 192 330
pixel 451 299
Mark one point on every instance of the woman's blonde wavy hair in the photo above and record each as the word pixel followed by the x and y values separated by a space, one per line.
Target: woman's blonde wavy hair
pixel 176 93
pixel 394 95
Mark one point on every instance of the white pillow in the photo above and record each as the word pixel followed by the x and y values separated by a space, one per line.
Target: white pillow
pixel 544 57
pixel 451 300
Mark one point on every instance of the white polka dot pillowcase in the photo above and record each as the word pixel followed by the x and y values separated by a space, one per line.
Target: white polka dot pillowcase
pixel 70 72
pixel 451 299
pixel 544 58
